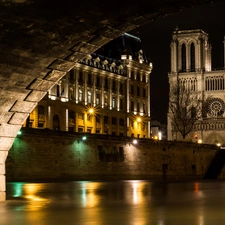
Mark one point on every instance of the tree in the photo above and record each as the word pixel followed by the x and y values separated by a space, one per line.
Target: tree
pixel 185 108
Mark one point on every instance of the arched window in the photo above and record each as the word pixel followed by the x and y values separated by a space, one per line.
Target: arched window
pixel 183 57
pixel 56 122
pixel 192 57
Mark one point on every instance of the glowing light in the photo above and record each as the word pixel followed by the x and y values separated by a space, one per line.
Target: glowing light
pixel 19 132
pixel 139 119
pixel 218 144
pixel 200 141
pixel 84 138
pixel 160 135
pixel 64 99
pixel 91 110
pixel 135 141
pixel 52 97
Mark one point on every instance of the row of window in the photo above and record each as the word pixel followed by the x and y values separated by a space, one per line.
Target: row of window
pixel 99 80
pixel 211 83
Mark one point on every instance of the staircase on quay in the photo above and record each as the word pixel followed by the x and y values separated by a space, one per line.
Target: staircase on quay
pixel 216 165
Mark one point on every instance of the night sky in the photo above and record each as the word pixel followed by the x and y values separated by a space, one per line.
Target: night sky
pixel 156 38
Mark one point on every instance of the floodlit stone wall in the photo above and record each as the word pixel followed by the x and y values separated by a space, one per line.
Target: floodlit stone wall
pixel 40 155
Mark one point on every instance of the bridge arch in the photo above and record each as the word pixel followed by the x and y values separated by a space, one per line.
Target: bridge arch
pixel 42 40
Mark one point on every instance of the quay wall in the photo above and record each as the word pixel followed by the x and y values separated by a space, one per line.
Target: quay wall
pixel 44 155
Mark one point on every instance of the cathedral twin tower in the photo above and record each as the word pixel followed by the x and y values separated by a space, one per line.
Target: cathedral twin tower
pixel 191 69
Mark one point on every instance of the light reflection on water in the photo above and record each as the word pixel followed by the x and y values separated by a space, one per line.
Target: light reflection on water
pixel 133 202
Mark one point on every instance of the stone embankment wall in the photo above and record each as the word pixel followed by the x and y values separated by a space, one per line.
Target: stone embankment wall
pixel 41 155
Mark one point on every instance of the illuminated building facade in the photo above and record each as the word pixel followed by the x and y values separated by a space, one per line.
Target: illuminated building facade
pixel 191 67
pixel 108 92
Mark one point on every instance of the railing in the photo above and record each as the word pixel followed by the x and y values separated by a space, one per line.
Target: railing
pixel 213 124
pixel 104 63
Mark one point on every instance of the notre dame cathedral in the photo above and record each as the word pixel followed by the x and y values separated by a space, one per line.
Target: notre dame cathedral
pixel 191 69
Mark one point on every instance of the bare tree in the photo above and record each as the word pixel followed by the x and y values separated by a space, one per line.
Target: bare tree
pixel 185 109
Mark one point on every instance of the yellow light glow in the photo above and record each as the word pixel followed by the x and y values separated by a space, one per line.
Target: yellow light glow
pixel 139 119
pixel 91 110
pixel 135 141
pixel 199 141
pixel 218 144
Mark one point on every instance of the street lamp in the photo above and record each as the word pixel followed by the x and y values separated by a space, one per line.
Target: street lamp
pixel 91 110
pixel 139 119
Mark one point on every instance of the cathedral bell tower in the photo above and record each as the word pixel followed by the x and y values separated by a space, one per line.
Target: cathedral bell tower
pixel 190 51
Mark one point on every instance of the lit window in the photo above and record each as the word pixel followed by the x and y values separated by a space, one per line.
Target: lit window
pixel 89 97
pixel 80 95
pixel 97 99
pixel 113 102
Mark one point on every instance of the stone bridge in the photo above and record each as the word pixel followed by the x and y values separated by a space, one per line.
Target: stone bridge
pixel 41 40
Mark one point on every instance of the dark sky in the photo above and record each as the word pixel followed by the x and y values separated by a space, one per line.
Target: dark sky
pixel 156 37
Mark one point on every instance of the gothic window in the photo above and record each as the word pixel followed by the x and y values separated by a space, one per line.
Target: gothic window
pixel 215 107
pixel 214 83
pixel 183 57
pixel 192 57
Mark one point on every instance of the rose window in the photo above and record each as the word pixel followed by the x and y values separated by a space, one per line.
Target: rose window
pixel 215 107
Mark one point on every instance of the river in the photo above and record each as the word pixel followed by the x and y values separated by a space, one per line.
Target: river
pixel 128 202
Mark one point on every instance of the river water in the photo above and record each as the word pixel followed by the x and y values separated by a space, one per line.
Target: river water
pixel 134 202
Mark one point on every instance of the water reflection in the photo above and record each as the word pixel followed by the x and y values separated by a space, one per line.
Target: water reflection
pixel 108 203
